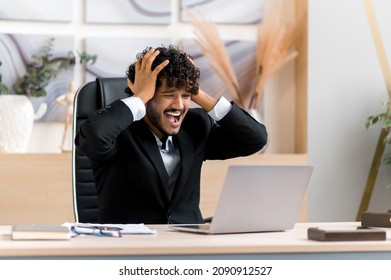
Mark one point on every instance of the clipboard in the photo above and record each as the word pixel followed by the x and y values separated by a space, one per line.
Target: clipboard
pixel 359 234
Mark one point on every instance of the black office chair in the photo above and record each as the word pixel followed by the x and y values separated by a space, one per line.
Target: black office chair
pixel 89 98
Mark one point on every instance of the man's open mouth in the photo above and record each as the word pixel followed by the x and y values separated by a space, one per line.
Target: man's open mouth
pixel 174 116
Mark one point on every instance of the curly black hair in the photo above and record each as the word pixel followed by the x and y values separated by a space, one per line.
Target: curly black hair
pixel 180 73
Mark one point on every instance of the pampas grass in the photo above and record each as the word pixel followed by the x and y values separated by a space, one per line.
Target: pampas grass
pixel 276 40
pixel 209 42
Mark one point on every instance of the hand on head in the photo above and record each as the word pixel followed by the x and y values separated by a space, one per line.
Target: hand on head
pixel 145 78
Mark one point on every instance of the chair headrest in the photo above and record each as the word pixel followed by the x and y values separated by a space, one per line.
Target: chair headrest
pixel 111 89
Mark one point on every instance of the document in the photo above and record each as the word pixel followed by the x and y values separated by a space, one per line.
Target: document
pixel 125 228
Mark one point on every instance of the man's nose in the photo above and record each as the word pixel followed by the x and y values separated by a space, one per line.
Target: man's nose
pixel 178 102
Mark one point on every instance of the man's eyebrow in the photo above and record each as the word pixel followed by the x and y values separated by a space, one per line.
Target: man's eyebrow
pixel 168 90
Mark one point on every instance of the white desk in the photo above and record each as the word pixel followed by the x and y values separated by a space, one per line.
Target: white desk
pixel 168 244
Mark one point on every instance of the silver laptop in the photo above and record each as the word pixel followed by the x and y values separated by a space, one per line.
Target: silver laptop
pixel 257 199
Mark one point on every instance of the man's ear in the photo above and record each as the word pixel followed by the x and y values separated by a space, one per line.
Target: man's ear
pixel 129 90
pixel 130 84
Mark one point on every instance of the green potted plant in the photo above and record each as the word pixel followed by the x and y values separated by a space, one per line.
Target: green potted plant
pixel 39 72
pixel 16 121
pixel 384 119
pixel 42 70
pixel 381 155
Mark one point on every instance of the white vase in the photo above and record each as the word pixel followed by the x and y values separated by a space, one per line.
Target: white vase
pixel 16 123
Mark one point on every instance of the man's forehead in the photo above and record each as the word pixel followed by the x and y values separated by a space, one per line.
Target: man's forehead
pixel 168 89
pixel 165 88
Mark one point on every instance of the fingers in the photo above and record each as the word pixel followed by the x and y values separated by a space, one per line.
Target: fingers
pixel 145 78
pixel 191 60
pixel 145 63
pixel 137 65
pixel 148 58
pixel 160 67
pixel 141 62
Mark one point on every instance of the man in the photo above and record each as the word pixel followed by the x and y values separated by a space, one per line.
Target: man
pixel 147 150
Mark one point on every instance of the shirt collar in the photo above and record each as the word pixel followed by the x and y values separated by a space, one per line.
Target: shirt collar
pixel 169 141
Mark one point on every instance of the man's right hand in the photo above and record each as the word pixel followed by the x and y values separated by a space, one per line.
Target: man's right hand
pixel 145 79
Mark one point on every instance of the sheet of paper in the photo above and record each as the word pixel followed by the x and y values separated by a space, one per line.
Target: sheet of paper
pixel 126 228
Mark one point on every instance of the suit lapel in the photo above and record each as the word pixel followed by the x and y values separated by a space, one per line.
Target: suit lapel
pixel 147 142
pixel 185 144
pixel 186 150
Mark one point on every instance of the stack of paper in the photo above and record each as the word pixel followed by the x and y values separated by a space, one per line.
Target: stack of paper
pixel 125 228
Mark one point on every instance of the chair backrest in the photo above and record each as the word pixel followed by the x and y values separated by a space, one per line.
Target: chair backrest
pixel 89 98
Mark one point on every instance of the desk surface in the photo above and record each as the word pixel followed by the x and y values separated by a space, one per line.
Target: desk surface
pixel 167 243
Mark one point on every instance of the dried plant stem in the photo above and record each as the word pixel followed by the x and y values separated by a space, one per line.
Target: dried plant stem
pixel 209 42
pixel 274 46
pixel 274 49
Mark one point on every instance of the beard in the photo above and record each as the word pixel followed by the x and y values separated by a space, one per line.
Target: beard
pixel 157 119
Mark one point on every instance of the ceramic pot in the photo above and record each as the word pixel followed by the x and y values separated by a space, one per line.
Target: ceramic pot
pixel 16 123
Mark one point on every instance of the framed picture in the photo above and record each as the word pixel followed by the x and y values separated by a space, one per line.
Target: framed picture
pixel 31 10
pixel 131 12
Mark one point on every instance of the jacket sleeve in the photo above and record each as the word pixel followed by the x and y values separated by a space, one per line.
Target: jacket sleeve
pixel 237 134
pixel 97 136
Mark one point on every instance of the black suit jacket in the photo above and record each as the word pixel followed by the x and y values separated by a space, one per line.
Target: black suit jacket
pixel 131 180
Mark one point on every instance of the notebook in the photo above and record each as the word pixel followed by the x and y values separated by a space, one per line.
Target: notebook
pixel 40 232
pixel 257 199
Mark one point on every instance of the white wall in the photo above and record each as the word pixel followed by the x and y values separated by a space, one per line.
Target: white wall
pixel 46 137
pixel 279 92
pixel 345 86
